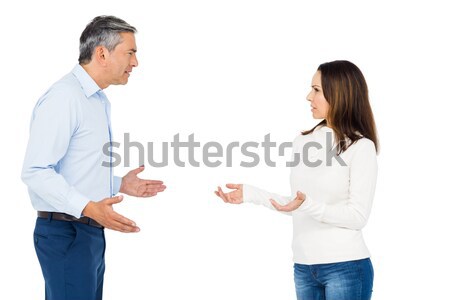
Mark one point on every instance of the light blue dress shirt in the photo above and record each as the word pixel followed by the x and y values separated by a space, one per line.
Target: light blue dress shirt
pixel 63 163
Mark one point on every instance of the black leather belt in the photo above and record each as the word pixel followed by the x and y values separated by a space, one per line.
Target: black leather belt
pixel 65 217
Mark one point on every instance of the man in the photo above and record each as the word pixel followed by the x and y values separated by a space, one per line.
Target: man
pixel 68 186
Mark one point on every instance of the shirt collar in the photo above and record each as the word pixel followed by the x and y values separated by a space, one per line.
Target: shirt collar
pixel 87 83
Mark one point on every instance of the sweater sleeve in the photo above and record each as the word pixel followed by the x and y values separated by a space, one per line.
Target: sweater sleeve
pixel 354 212
pixel 258 196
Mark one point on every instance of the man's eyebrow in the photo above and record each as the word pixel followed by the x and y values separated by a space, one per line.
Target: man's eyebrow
pixel 134 50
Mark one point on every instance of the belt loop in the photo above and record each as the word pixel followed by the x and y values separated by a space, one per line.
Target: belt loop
pixel 89 221
pixel 50 216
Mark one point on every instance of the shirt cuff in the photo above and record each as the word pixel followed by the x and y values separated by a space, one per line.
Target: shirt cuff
pixel 117 182
pixel 76 202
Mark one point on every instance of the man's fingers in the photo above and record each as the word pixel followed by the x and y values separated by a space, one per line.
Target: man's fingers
pixel 138 170
pixel 155 182
pixel 122 224
pixel 149 182
pixel 117 226
pixel 113 220
pixel 117 222
pixel 148 194
pixel 121 219
pixel 149 191
pixel 155 187
pixel 152 188
pixel 114 200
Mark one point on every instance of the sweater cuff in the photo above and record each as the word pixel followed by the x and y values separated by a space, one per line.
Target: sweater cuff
pixel 312 208
pixel 248 193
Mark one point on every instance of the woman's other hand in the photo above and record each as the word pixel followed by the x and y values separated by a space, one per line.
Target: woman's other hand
pixel 293 205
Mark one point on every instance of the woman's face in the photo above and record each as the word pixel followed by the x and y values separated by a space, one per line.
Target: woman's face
pixel 319 105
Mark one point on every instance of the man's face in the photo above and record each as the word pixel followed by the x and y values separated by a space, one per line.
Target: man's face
pixel 122 59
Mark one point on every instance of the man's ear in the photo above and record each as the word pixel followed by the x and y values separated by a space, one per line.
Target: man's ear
pixel 101 54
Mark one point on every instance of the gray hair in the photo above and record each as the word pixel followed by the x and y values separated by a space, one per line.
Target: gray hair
pixel 102 31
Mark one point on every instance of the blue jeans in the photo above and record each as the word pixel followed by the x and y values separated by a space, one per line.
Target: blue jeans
pixel 350 280
pixel 71 255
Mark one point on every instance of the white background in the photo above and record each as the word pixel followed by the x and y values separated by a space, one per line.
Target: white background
pixel 235 71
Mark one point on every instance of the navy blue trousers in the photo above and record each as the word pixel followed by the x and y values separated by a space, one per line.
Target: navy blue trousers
pixel 72 258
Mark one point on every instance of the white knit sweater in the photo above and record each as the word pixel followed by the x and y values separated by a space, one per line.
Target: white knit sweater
pixel 327 226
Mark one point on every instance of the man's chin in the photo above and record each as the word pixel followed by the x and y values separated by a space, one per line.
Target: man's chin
pixel 121 82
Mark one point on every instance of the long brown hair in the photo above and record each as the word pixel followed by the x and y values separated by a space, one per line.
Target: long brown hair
pixel 350 115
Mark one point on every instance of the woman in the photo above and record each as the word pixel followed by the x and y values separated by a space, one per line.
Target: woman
pixel 333 187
